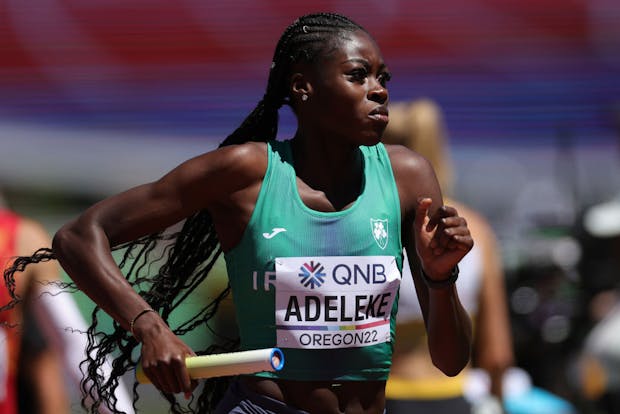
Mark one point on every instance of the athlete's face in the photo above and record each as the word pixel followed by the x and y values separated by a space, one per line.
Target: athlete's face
pixel 349 94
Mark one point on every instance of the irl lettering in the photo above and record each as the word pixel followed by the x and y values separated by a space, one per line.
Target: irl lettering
pixel 269 279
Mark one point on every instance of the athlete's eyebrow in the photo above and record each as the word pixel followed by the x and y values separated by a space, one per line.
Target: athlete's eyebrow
pixel 358 60
pixel 366 64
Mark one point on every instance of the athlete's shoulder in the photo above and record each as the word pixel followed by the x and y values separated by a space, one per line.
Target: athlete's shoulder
pixel 243 154
pixel 406 161
pixel 233 162
pixel 214 175
pixel 414 177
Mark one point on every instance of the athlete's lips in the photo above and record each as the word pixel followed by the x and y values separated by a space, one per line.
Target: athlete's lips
pixel 380 113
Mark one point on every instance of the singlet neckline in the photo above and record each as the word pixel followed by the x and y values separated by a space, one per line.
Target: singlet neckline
pixel 288 154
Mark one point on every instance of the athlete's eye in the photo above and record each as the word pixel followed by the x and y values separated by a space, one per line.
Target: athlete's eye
pixel 358 75
pixel 384 78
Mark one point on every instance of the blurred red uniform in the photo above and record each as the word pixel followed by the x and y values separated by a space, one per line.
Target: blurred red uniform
pixel 9 338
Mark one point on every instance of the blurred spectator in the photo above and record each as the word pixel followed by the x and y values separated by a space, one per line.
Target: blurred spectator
pixel 598 364
pixel 491 384
pixel 415 382
pixel 22 236
pixel 41 339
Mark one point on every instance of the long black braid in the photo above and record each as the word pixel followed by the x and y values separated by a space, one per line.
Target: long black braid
pixel 166 267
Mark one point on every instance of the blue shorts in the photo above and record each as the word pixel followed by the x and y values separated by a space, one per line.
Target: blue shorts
pixel 241 400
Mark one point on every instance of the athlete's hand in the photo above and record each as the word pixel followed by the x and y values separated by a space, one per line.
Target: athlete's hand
pixel 163 356
pixel 441 240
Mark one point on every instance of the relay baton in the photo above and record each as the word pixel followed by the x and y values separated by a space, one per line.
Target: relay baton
pixel 232 363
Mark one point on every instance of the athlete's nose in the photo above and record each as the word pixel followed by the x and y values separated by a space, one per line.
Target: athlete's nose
pixel 378 92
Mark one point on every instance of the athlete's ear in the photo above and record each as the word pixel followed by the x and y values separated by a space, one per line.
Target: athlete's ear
pixel 301 88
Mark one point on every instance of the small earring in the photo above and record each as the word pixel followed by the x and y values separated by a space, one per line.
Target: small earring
pixel 304 97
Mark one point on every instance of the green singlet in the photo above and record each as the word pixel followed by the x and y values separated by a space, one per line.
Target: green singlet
pixel 322 286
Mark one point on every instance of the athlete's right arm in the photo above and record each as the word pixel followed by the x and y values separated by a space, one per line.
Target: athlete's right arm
pixel 83 246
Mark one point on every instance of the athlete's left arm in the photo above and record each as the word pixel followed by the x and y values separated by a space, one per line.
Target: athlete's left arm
pixel 436 238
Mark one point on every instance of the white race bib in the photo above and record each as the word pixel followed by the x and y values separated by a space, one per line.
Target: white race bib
pixel 334 301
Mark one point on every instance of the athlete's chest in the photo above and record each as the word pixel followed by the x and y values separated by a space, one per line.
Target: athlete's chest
pixel 338 196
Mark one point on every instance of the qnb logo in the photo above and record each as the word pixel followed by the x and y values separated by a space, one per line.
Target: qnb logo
pixel 312 274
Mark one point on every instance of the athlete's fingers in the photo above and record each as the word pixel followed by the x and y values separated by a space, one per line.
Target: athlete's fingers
pixel 182 381
pixel 440 214
pixel 422 213
pixel 151 372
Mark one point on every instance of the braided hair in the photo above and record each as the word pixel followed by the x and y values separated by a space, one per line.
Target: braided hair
pixel 304 41
pixel 164 268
